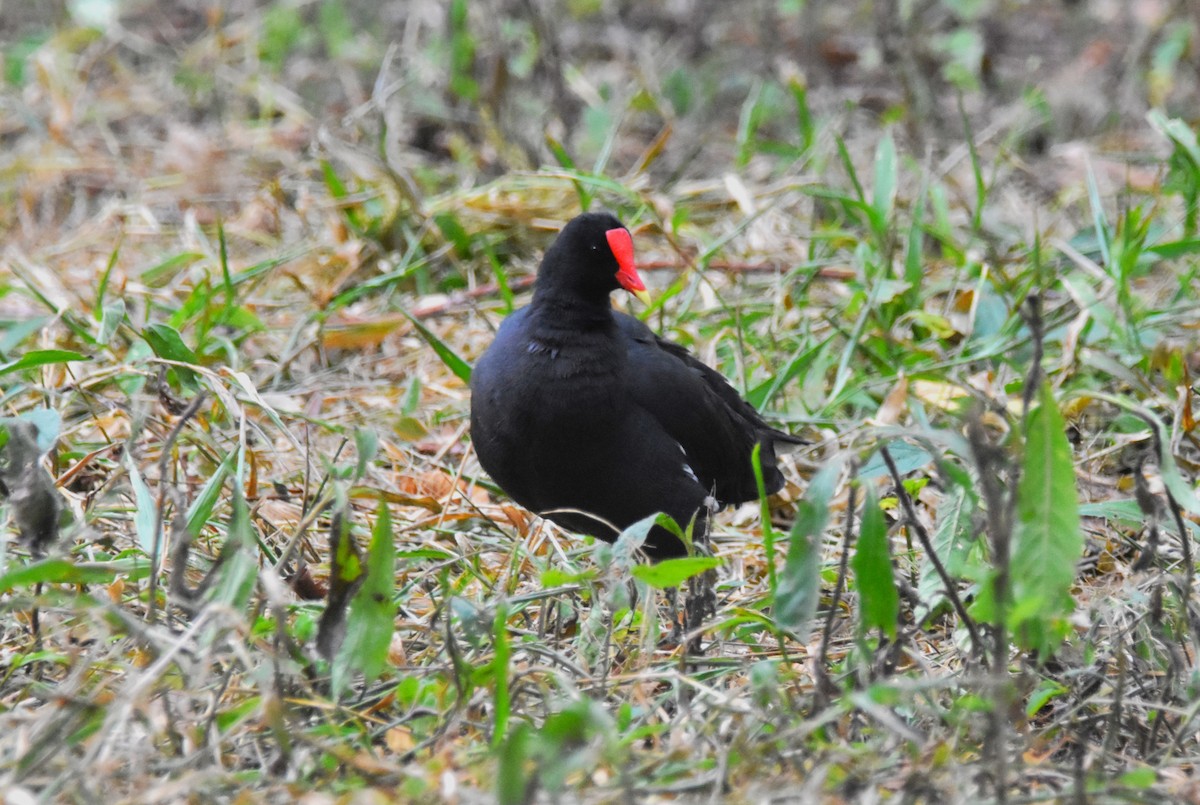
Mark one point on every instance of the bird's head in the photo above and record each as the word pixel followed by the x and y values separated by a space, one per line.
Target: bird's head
pixel 591 258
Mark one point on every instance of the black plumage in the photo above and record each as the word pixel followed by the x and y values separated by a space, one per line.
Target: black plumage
pixel 581 412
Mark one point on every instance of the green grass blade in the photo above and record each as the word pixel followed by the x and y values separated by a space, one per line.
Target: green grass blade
pixel 460 368
pixel 501 700
pixel 102 287
pixel 886 178
pixel 41 357
pixel 145 512
pixel 372 617
pixel 235 583
pixel 874 577
pixel 799 587
pixel 673 572
pixel 202 507
pixel 1048 541
pixel 1099 222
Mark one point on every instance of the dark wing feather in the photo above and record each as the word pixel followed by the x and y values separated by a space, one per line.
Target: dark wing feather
pixel 694 403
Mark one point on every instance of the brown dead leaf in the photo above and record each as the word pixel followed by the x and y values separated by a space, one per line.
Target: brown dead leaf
pixel 283 515
pixel 398 498
pixel 517 516
pixel 399 740
pixel 307 587
pixel 397 656
pixel 362 334
pixel 893 404
pixel 837 53
pixel 1043 750
pixel 430 483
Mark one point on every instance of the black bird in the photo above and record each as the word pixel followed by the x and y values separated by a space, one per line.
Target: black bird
pixel 578 409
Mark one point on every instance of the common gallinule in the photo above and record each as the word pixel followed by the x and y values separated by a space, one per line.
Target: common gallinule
pixel 582 414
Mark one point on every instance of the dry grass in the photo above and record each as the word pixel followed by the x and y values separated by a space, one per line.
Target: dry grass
pixel 297 199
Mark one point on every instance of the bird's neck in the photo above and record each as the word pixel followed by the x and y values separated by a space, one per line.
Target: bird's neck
pixel 571 311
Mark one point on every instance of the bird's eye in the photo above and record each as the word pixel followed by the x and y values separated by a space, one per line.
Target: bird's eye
pixel 595 248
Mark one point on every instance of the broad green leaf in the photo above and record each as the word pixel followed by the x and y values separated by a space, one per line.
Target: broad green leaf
pixel 1176 249
pixel 1125 511
pixel 558 577
pixel 167 343
pixel 1141 778
pixel 800 362
pixel 1180 133
pixel 237 575
pixel 14 332
pixel 202 507
pixel 673 572
pixel 885 183
pixel 799 588
pixel 114 314
pixel 512 774
pixel 908 457
pixel 423 554
pixel 41 357
pixel 197 305
pixel 1047 540
pixel 64 571
pixel 630 540
pixel 228 718
pixel 879 600
pixel 145 512
pixel 953 540
pixel 1045 691
pixel 240 319
pixel 372 617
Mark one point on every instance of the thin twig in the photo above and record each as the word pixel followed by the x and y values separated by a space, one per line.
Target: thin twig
pixel 824 683
pixel 911 521
pixel 1113 728
pixel 164 461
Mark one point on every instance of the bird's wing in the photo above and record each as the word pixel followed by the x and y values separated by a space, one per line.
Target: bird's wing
pixel 702 412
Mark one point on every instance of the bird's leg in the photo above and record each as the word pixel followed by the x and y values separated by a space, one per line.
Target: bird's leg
pixel 701 601
pixel 676 635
